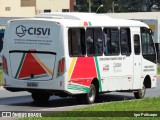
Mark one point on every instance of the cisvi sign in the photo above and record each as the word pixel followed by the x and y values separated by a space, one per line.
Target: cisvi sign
pixel 22 31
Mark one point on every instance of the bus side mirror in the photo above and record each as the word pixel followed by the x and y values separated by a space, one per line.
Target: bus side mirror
pixel 150 32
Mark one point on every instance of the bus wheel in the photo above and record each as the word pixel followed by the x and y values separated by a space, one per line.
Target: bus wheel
pixel 140 93
pixel 40 97
pixel 91 95
pixel 88 98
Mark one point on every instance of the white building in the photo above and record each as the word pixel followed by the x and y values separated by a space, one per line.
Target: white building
pixel 15 8
pixel 29 8
pixel 53 6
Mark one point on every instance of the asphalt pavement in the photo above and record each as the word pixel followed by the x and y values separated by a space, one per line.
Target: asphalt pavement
pixel 22 101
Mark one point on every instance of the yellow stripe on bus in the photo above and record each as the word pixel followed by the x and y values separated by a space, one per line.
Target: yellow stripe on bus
pixel 71 67
pixel 43 65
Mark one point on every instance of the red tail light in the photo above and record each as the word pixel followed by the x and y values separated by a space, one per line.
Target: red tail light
pixel 61 66
pixel 4 65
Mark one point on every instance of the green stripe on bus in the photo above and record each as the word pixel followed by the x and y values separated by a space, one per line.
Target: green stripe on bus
pixel 99 76
pixel 90 24
pixel 78 87
pixel 20 66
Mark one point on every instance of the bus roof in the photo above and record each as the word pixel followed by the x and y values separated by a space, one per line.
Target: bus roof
pixel 70 19
pixel 73 15
pixel 95 19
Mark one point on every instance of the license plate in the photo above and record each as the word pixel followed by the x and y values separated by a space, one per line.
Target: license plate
pixel 32 84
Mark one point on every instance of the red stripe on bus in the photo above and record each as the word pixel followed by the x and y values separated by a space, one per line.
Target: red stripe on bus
pixel 84 71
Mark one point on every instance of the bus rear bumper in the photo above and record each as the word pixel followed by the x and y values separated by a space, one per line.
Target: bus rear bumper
pixel 12 84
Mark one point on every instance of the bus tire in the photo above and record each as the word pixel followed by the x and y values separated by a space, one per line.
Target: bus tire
pixel 139 94
pixel 40 97
pixel 88 98
pixel 91 95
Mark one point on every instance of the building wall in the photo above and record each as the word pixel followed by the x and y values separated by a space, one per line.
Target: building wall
pixel 13 8
pixel 72 3
pixel 28 8
pixel 53 5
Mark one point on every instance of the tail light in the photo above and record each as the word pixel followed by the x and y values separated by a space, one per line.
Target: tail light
pixel 61 66
pixel 4 64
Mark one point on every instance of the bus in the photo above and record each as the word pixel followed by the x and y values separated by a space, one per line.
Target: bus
pixel 78 55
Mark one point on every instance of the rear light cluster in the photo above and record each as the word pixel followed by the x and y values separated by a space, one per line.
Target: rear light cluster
pixel 61 66
pixel 4 64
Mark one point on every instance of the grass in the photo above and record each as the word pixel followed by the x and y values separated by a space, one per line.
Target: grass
pixel 158 70
pixel 107 110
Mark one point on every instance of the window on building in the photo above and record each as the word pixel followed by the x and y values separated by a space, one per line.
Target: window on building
pixel 94 41
pixel 7 8
pixel 125 41
pixel 111 41
pixel 65 10
pixel 76 40
pixel 28 3
pixel 47 10
pixel 136 44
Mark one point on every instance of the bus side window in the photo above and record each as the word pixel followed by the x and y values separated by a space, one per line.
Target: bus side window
pixel 148 48
pixel 111 41
pixel 94 41
pixel 98 44
pixel 76 41
pixel 83 44
pixel 115 41
pixel 107 41
pixel 89 41
pixel 147 42
pixel 125 41
pixel 136 44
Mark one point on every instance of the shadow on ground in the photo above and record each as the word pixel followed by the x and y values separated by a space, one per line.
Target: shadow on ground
pixel 64 102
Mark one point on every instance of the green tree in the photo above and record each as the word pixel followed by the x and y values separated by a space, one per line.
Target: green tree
pixel 107 6
pixel 118 6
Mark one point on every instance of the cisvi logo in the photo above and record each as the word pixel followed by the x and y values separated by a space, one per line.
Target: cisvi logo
pixel 22 31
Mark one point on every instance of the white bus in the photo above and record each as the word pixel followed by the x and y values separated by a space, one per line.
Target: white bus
pixel 78 54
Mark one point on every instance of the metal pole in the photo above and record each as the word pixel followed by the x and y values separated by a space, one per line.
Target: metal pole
pixel 99 8
pixel 113 7
pixel 89 5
